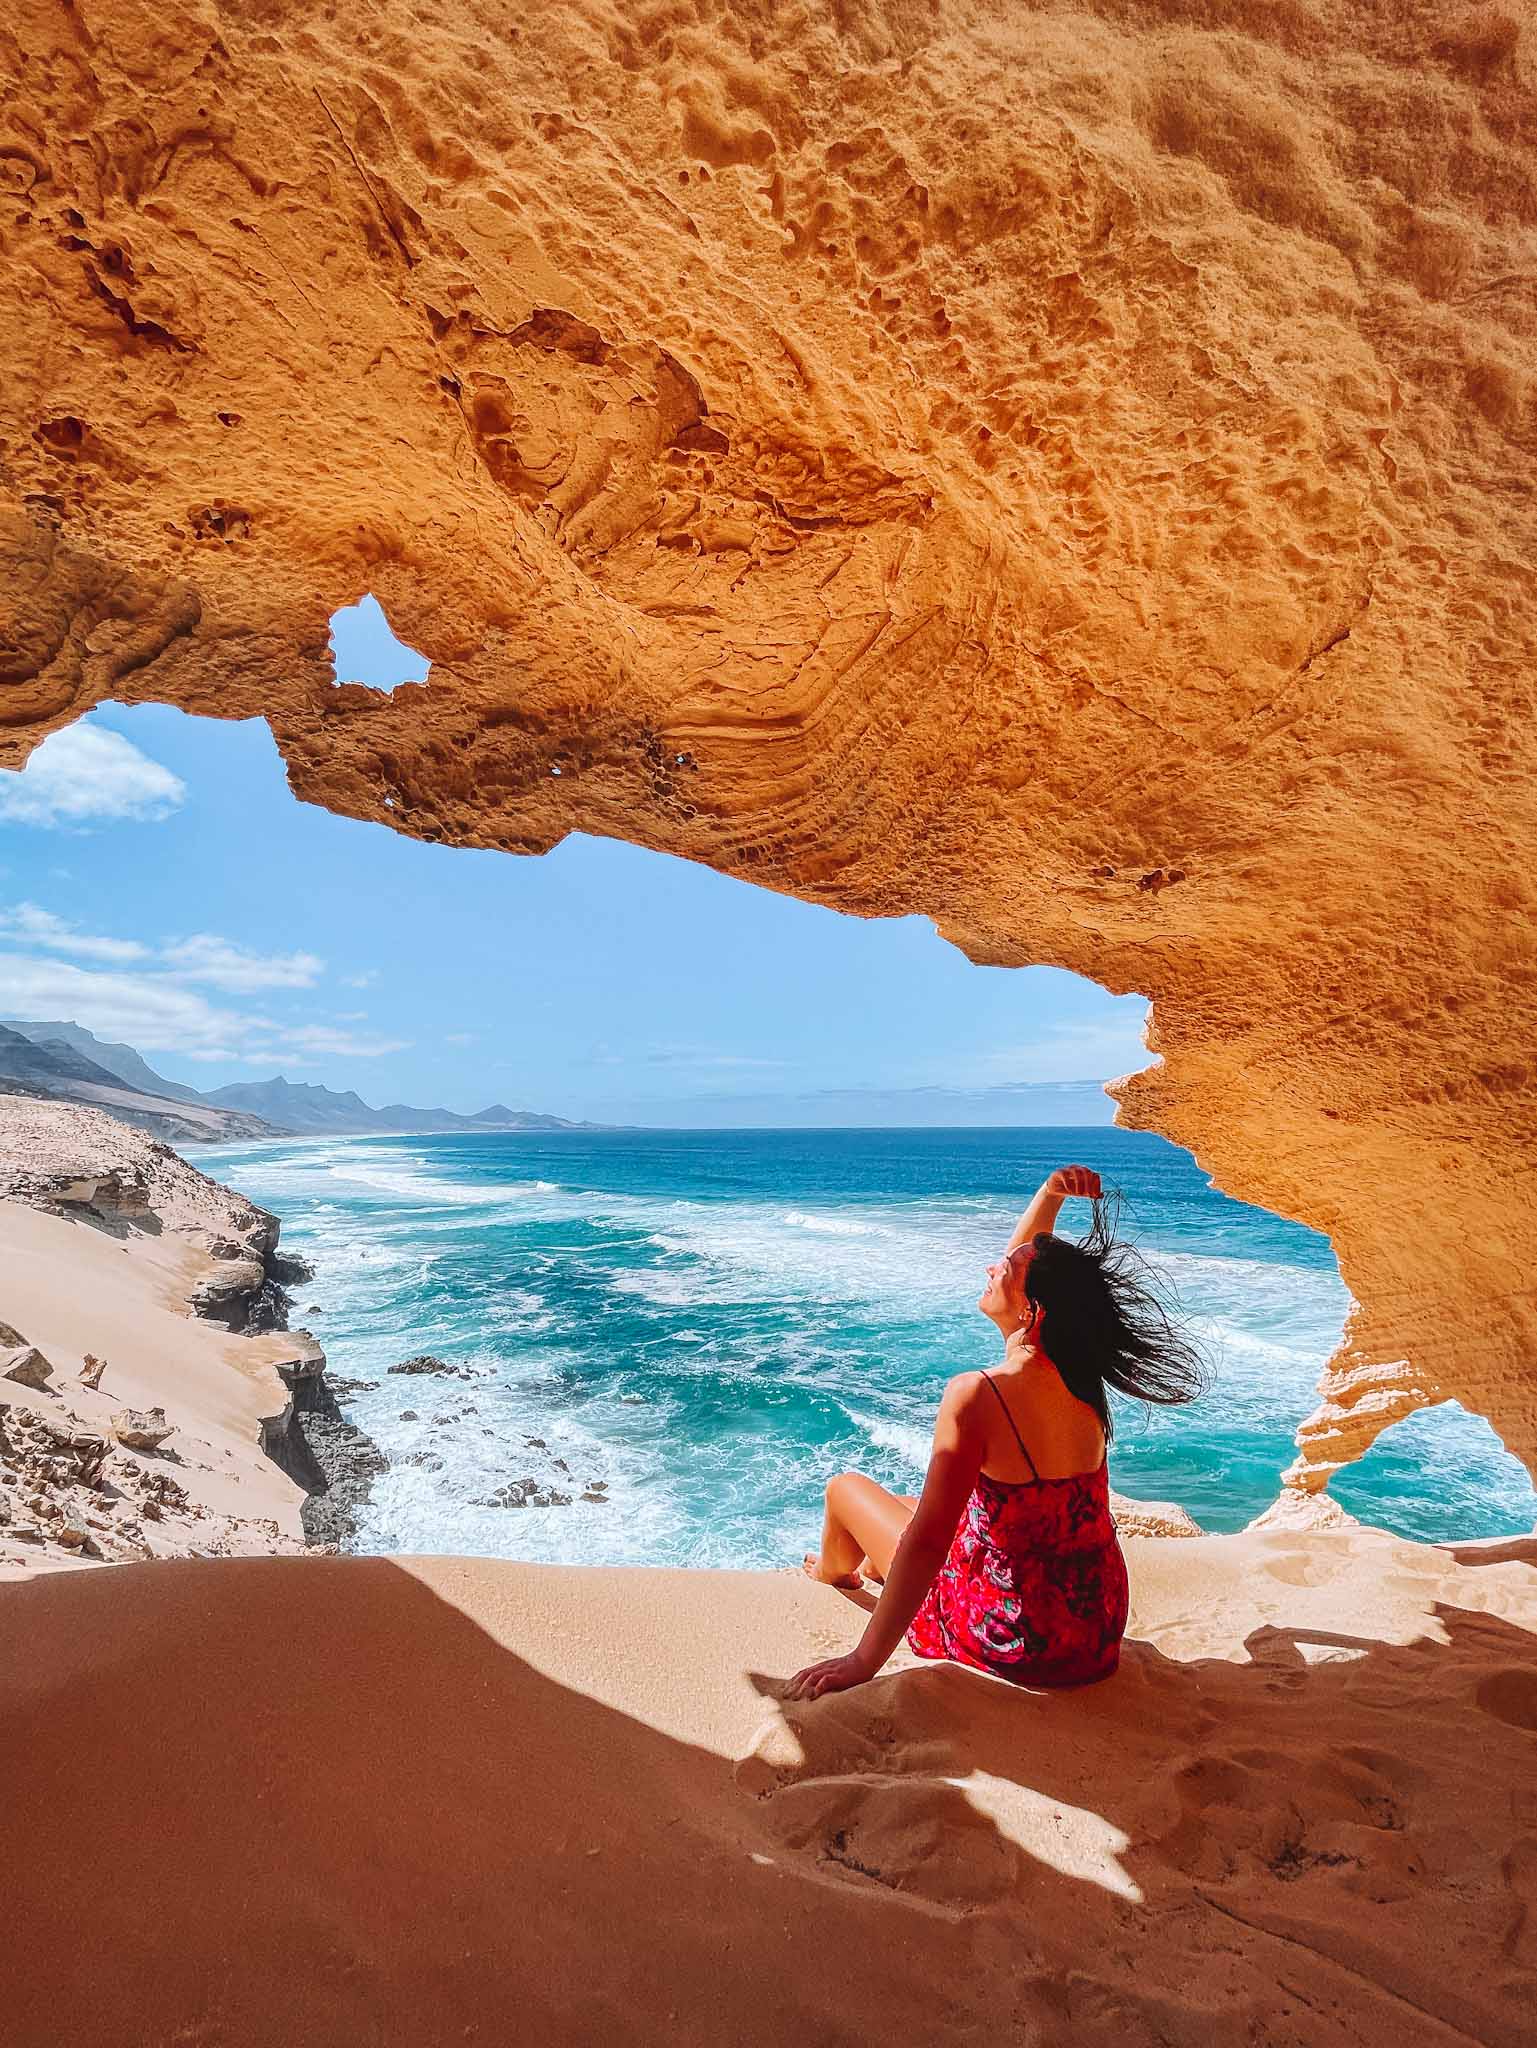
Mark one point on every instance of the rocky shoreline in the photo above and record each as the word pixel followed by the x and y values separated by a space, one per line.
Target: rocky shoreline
pixel 321 1450
pixel 65 1460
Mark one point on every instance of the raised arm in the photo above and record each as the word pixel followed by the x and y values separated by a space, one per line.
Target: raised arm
pixel 954 1462
pixel 1046 1203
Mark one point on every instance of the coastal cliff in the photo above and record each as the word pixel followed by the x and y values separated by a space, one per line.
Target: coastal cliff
pixel 151 1396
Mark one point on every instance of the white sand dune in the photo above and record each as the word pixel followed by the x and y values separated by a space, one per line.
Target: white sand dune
pixel 421 1801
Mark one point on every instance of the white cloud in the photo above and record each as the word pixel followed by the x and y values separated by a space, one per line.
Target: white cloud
pixel 1093 1050
pixel 324 1038
pixel 31 925
pixel 694 1056
pixel 364 980
pixel 157 1013
pixel 204 957
pixel 237 970
pixel 148 1011
pixel 88 775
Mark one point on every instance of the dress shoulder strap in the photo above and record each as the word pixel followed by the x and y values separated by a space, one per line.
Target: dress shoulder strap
pixel 1013 1425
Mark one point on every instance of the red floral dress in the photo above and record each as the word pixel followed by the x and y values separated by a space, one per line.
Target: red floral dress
pixel 1034 1588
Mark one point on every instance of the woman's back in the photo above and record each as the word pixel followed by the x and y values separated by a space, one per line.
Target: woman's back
pixel 1033 1427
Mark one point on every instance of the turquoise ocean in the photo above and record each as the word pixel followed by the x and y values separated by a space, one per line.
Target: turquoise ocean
pixel 712 1323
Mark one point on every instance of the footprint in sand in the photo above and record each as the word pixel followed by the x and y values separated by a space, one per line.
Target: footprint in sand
pixel 922 1837
pixel 1293 1568
pixel 865 1795
pixel 1511 1697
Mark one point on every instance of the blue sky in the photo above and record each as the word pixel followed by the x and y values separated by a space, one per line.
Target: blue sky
pixel 158 883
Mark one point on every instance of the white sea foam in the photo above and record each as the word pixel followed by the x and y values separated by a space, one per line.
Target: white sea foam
pixel 905 1440
pixel 431 1190
pixel 832 1226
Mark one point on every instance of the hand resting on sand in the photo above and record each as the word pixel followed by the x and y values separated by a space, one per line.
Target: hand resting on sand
pixel 835 1674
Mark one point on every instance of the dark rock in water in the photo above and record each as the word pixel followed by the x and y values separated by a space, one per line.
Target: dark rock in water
pixel 314 1309
pixel 425 1362
pixel 409 1415
pixel 527 1493
pixel 515 1494
pixel 287 1268
pixel 346 1388
pixel 535 1443
pixel 313 1442
pixel 599 1500
pixel 428 1460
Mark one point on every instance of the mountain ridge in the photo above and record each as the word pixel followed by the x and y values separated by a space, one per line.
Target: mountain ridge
pixel 310 1107
pixel 55 1069
pixel 61 1051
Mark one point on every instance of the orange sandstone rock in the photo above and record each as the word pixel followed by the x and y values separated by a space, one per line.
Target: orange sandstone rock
pixel 1066 471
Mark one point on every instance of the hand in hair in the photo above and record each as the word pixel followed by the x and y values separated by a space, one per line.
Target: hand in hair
pixel 1048 1199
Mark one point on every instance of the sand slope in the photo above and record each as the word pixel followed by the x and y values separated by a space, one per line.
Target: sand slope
pixel 420 1801
pixel 72 1288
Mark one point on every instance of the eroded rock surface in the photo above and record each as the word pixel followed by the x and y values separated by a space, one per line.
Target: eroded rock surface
pixel 81 1162
pixel 1062 471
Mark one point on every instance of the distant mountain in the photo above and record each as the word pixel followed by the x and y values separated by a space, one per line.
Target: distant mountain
pixel 56 1070
pixel 298 1106
pixel 120 1060
pixel 50 1063
pixel 308 1108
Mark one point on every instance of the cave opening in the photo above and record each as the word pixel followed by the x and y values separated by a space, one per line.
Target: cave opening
pixel 365 648
pixel 764 1267
pixel 1451 1455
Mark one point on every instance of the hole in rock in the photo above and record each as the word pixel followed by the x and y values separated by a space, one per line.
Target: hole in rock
pixel 1438 1474
pixel 638 1148
pixel 365 649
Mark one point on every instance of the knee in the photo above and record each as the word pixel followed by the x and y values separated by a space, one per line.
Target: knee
pixel 840 1485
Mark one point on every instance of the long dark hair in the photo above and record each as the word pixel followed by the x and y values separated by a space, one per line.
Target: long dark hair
pixel 1102 1324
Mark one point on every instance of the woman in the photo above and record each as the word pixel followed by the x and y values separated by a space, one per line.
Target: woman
pixel 1009 1560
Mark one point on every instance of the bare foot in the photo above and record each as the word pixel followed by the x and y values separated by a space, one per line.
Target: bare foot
pixel 811 1564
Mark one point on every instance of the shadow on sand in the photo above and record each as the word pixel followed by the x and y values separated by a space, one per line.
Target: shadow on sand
pixel 283 1801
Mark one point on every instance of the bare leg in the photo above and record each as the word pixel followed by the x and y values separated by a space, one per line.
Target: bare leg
pixel 909 1501
pixel 862 1522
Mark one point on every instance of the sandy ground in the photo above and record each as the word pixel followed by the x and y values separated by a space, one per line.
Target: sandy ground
pixel 390 1800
